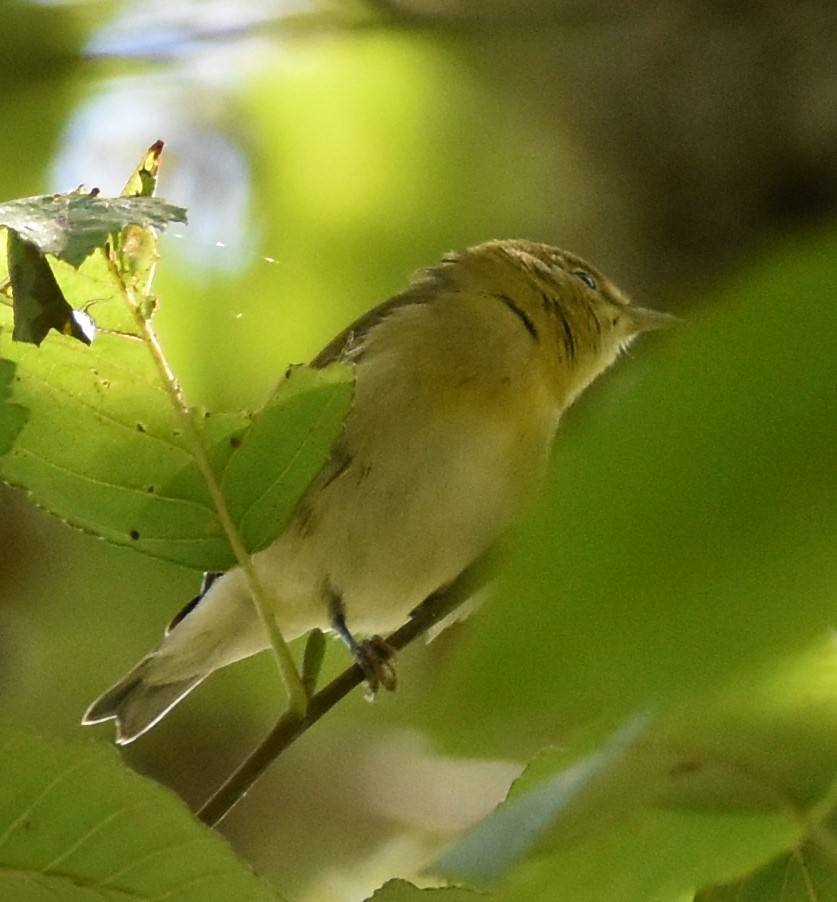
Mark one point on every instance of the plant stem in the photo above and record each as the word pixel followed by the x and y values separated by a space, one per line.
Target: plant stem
pixel 289 728
pixel 297 696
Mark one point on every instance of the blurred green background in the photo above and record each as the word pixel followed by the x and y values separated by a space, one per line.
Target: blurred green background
pixel 325 152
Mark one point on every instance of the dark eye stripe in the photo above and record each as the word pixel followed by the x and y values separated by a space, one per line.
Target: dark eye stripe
pixel 569 339
pixel 522 315
pixel 553 306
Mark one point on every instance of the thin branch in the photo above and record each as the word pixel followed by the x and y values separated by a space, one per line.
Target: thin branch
pixel 290 727
pixel 297 696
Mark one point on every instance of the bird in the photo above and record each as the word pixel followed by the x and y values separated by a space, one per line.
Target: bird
pixel 460 382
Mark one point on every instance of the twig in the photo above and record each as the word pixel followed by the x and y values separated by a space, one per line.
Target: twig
pixel 297 696
pixel 290 727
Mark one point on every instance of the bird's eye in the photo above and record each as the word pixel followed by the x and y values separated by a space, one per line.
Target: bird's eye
pixel 585 277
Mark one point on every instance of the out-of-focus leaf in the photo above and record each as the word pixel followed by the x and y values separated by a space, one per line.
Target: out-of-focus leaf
pixel 71 226
pixel 701 796
pixel 653 856
pixel 75 824
pixel 808 872
pixel 689 528
pixel 402 891
pixel 39 303
pixel 509 834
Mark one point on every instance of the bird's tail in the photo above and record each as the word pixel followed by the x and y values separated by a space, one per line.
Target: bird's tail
pixel 136 704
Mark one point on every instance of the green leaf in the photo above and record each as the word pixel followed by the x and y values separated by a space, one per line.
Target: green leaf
pixel 12 416
pixel 71 226
pixel 75 824
pixel 39 303
pixel 652 856
pixel 285 447
pixel 104 450
pixel 510 833
pixel 143 180
pixel 807 873
pixel 135 247
pixel 402 891
pixel 700 796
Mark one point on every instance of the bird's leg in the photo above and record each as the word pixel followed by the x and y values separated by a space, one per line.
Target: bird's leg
pixel 373 655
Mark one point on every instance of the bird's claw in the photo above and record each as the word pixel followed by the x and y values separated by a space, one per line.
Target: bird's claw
pixel 375 656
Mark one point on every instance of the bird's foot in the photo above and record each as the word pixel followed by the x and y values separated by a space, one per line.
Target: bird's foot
pixel 375 656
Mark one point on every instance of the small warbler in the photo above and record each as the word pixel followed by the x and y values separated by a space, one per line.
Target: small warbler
pixel 460 382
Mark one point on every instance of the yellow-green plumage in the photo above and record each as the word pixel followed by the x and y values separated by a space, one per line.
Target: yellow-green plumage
pixel 460 382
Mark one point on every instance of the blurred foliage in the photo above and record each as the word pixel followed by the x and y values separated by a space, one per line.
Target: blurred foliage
pixel 670 804
pixel 689 532
pixel 684 551
pixel 40 71
pixel 401 891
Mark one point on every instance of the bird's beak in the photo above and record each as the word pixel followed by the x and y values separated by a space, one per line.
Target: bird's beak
pixel 645 320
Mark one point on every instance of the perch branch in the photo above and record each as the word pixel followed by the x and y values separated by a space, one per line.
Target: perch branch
pixel 291 726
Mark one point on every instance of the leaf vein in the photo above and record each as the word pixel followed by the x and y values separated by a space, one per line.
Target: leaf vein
pixel 27 811
pixel 73 847
pixel 94 480
pixel 143 860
